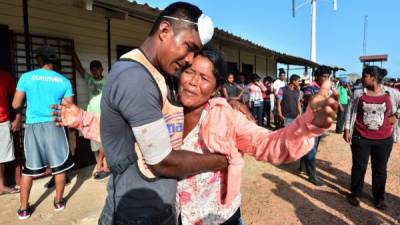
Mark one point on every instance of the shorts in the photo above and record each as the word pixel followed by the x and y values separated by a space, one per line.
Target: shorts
pixel 45 145
pixel 6 143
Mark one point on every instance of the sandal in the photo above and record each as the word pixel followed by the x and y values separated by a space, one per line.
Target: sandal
pixel 12 190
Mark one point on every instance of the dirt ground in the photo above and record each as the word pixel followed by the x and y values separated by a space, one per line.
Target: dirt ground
pixel 271 195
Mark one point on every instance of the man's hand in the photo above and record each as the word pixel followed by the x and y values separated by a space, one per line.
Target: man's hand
pixel 242 108
pixel 346 136
pixel 281 116
pixel 324 106
pixel 15 125
pixel 66 114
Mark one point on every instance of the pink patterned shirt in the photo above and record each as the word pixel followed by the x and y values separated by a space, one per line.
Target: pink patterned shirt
pixel 199 196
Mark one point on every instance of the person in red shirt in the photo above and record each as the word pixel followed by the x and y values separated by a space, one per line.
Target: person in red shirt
pixel 7 89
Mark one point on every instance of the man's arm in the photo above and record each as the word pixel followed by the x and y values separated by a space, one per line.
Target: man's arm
pixel 183 163
pixel 18 100
pixel 299 107
pixel 279 103
pixel 154 142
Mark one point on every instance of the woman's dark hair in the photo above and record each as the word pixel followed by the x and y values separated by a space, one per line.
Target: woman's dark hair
pixel 220 68
pixel 321 70
pixel 375 71
pixel 267 78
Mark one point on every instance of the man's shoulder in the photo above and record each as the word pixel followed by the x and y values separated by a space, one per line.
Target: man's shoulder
pixel 123 69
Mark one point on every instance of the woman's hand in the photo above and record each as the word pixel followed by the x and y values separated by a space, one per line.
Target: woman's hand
pixel 324 106
pixel 346 136
pixel 66 114
pixel 392 119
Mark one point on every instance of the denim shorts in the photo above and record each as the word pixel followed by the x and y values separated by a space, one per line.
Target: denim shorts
pixel 46 145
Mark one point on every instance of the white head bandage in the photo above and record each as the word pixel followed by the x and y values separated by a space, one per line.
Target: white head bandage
pixel 204 25
pixel 206 28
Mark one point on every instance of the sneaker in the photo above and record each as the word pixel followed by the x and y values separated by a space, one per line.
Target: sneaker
pixel 101 175
pixel 316 181
pixel 380 204
pixel 24 214
pixel 59 206
pixel 353 200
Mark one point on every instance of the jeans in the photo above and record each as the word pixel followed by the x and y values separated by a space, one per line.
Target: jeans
pixel 341 115
pixel 313 152
pixel 257 112
pixel 267 112
pixel 361 149
pixel 287 121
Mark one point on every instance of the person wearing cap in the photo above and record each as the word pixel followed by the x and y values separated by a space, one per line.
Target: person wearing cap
pixel 132 126
pixel 45 144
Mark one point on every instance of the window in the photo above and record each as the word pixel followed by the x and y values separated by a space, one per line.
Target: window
pixel 232 67
pixel 247 69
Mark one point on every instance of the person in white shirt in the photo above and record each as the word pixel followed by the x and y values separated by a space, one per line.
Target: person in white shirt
pixel 278 84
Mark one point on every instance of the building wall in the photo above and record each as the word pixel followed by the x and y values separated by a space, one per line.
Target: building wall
pixel 88 29
pixel 230 54
pixel 260 68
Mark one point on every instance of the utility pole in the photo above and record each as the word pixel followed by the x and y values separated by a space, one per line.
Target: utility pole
pixel 314 30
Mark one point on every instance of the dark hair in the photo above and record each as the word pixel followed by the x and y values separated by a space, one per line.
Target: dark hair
pixel 95 64
pixel 180 10
pixel 267 78
pixel 219 65
pixel 321 70
pixel 375 71
pixel 47 54
pixel 294 77
pixel 281 71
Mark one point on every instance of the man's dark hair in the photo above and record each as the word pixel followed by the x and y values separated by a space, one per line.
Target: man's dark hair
pixel 186 14
pixel 47 54
pixel 219 66
pixel 95 64
pixel 375 71
pixel 321 70
pixel 294 77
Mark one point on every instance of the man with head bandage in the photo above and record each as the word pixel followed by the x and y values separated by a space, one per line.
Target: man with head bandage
pixel 138 121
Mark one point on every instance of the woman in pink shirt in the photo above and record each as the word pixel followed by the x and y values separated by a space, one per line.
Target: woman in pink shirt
pixel 210 124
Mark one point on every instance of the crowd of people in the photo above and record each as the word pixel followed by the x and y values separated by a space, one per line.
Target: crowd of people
pixel 170 125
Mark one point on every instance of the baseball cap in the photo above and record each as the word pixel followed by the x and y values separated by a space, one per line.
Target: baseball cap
pixel 47 53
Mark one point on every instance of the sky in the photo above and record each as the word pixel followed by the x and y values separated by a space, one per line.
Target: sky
pixel 340 33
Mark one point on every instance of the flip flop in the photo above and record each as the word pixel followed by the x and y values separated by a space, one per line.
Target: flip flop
pixel 12 190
